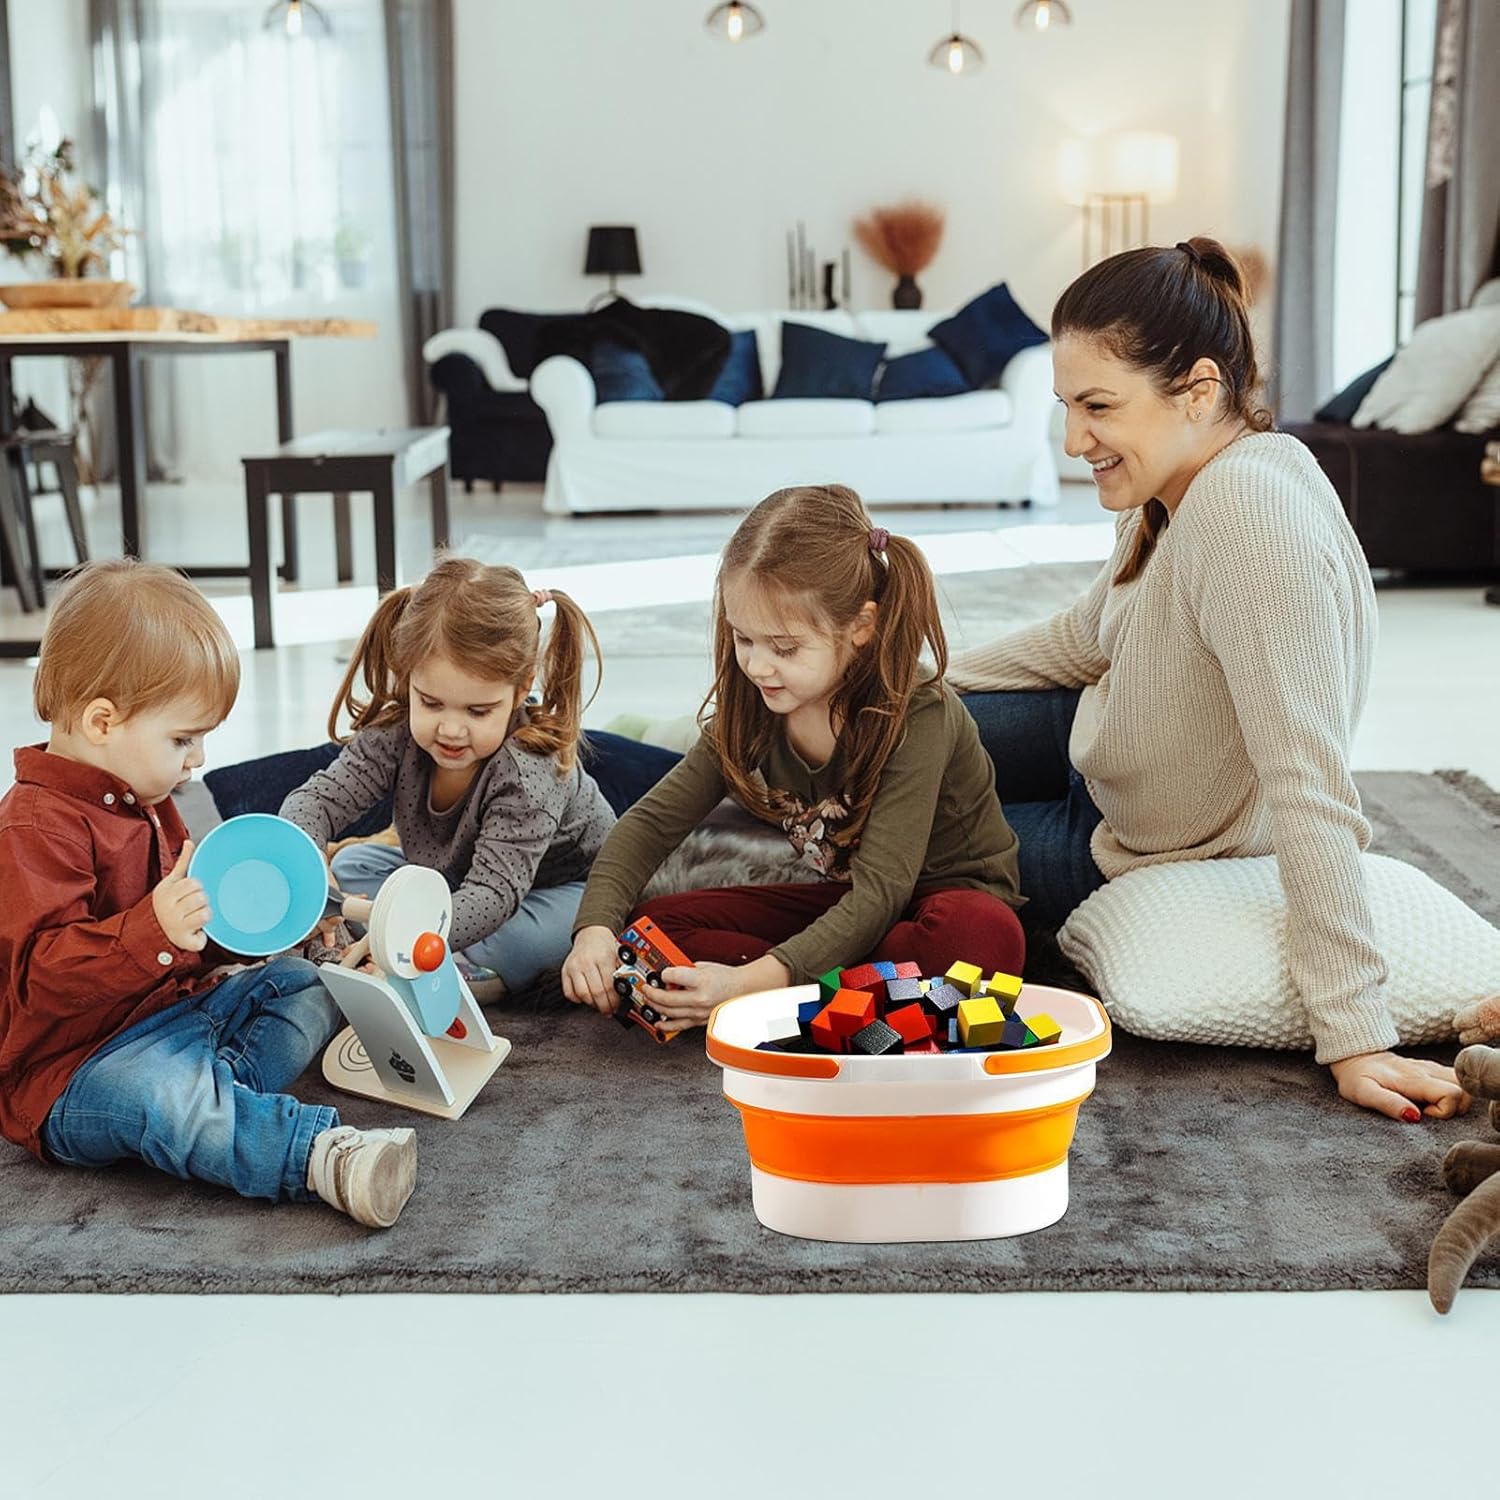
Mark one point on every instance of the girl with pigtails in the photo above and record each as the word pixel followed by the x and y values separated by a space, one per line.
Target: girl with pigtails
pixel 486 786
pixel 829 718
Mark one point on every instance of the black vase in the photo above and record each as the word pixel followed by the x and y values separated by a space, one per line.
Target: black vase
pixel 907 293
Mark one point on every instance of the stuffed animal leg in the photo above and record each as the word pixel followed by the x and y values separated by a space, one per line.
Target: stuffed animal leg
pixel 1479 1022
pixel 1471 1167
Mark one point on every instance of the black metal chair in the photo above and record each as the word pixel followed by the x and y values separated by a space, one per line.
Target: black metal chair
pixel 18 538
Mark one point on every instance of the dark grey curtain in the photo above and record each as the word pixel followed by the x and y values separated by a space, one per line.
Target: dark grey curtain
pixel 1461 204
pixel 1303 363
pixel 7 105
pixel 419 62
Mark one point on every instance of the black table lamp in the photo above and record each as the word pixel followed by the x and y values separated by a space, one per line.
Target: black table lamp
pixel 612 252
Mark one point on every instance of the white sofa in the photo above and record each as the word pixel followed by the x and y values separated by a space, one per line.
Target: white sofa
pixel 983 446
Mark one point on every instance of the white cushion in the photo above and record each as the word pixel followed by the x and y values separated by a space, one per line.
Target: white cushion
pixel 969 412
pixel 663 419
pixel 1196 952
pixel 1434 373
pixel 1488 294
pixel 902 332
pixel 811 417
pixel 1481 411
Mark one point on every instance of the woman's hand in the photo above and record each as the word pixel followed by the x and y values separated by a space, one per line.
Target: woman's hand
pixel 588 975
pixel 1402 1087
pixel 357 956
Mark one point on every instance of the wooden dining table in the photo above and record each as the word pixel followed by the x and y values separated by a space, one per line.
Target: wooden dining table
pixel 128 336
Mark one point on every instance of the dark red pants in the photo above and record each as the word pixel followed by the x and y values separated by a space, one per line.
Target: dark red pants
pixel 744 922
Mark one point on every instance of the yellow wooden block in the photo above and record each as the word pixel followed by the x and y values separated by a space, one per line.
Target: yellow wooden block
pixel 964 977
pixel 981 1022
pixel 1001 986
pixel 1043 1028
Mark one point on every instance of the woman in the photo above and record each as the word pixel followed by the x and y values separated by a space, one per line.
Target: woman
pixel 1199 700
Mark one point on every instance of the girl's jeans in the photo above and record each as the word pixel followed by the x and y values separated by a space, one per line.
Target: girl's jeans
pixel 538 936
pixel 196 1090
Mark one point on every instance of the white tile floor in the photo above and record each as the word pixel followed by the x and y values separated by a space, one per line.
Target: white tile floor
pixel 1224 1395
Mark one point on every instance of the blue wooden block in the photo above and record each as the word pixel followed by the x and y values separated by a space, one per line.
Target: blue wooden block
pixel 943 999
pixel 808 1009
pixel 1016 1033
pixel 952 1033
pixel 886 970
pixel 899 992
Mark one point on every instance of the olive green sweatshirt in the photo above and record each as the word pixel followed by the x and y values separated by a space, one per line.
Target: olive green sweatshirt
pixel 935 824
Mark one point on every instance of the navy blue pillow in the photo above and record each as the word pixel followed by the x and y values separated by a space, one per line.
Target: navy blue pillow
pixel 622 374
pixel 815 363
pixel 739 379
pixel 1341 408
pixel 985 335
pixel 925 372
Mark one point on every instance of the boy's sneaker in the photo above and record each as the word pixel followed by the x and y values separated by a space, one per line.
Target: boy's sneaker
pixel 485 985
pixel 367 1174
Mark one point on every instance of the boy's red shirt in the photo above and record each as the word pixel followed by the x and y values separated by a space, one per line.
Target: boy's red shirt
pixel 82 955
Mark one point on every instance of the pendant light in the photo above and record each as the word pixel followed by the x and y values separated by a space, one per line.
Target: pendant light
pixel 956 53
pixel 1042 15
pixel 735 22
pixel 292 16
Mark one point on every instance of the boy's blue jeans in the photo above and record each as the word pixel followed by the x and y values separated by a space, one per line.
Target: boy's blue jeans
pixel 1045 799
pixel 196 1090
pixel 538 936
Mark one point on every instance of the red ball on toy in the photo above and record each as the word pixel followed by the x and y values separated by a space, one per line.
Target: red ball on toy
pixel 428 951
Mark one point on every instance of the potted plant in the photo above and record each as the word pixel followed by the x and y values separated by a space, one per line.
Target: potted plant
pixel 351 249
pixel 45 212
pixel 903 239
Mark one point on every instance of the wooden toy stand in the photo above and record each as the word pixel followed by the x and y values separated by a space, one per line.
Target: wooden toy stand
pixel 415 1037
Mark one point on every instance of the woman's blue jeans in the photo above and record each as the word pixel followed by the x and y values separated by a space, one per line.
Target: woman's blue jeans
pixel 1045 799
pixel 196 1089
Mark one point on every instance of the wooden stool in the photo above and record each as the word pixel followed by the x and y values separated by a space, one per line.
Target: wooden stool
pixel 339 463
pixel 18 537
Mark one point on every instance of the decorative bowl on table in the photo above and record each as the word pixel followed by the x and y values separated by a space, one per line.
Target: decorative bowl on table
pixel 66 291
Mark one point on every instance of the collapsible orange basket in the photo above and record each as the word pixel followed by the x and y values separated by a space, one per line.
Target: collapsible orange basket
pixel 944 1146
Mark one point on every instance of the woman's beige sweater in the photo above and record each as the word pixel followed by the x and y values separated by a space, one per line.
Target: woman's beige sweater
pixel 1221 688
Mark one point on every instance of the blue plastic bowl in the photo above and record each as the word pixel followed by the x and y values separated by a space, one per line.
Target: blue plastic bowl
pixel 265 880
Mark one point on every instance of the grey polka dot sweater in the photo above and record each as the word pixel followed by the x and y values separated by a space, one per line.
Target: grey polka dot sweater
pixel 519 825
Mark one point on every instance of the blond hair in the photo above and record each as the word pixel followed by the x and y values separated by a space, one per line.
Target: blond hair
pixel 138 634
pixel 487 621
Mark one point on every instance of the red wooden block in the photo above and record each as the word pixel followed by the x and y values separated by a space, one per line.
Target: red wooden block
pixel 822 1030
pixel 849 1011
pixel 908 971
pixel 913 1023
pixel 928 1046
pixel 866 977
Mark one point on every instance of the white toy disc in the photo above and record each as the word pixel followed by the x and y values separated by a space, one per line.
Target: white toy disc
pixel 412 901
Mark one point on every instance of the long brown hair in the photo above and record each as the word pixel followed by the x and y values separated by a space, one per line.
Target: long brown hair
pixel 1161 310
pixel 487 621
pixel 813 546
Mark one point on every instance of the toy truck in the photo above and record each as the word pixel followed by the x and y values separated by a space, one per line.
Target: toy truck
pixel 644 951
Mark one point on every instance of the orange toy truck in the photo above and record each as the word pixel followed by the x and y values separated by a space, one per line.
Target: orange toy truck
pixel 644 951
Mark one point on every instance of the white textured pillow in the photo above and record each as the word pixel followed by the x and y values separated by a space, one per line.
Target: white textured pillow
pixel 1434 373
pixel 1195 951
pixel 1481 411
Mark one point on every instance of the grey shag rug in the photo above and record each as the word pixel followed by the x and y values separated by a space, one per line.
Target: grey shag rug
pixel 597 1161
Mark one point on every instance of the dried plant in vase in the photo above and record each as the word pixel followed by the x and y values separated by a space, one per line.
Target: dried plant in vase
pixel 904 239
pixel 45 211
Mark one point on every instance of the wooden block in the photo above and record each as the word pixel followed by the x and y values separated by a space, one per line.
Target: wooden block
pixel 943 1000
pixel 849 1010
pixel 908 971
pixel 808 1009
pixel 867 978
pixel 887 971
pixel 1044 1029
pixel 875 1040
pixel 822 1030
pixel 952 1032
pixel 914 1023
pixel 981 1022
pixel 1004 987
pixel 1016 1034
pixel 923 1048
pixel 965 977
pixel 828 986
pixel 900 992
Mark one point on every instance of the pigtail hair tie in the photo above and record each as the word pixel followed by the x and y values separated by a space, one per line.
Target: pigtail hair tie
pixel 878 541
pixel 1190 252
pixel 539 597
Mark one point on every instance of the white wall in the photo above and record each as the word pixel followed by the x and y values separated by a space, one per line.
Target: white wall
pixel 575 112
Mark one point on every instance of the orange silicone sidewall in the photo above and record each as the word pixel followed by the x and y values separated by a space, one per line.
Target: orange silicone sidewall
pixel 909 1148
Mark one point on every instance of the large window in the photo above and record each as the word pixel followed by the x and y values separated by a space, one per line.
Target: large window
pixel 1418 35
